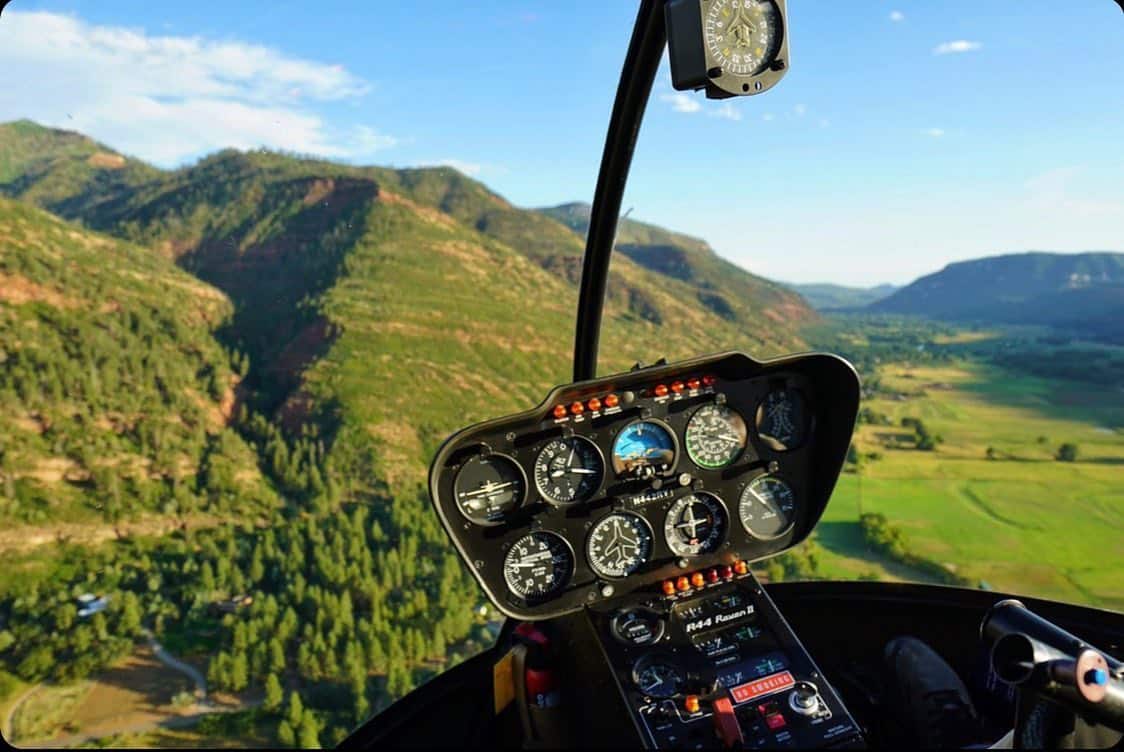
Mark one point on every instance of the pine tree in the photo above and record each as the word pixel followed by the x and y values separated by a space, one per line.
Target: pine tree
pixel 296 710
pixel 274 694
pixel 285 734
pixel 308 735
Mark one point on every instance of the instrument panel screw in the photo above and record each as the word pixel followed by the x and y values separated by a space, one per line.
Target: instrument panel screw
pixel 479 563
pixel 683 563
pixel 684 479
pixel 720 399
pixel 607 590
pixel 774 466
pixel 510 436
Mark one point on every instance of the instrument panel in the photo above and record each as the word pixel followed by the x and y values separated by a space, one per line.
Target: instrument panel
pixel 623 481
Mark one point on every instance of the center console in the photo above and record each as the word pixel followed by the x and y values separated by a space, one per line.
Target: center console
pixel 717 665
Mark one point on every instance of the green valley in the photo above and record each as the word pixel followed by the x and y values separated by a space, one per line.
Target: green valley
pixel 238 371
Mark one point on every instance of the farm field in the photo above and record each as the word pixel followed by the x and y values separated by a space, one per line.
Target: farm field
pixel 1021 521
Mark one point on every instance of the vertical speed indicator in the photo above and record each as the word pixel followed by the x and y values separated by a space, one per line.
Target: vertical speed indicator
pixel 538 565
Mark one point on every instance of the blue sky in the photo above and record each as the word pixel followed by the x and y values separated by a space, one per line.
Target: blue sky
pixel 907 134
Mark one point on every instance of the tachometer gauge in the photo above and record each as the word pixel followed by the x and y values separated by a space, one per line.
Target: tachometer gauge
pixel 658 676
pixel 742 36
pixel 489 487
pixel 569 470
pixel 695 524
pixel 715 436
pixel 766 507
pixel 782 421
pixel 643 449
pixel 619 545
pixel 538 565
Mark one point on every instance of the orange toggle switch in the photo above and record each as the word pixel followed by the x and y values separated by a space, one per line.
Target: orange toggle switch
pixel 577 408
pixel 594 405
pixel 612 400
pixel 560 411
pixel 660 390
pixel 741 567
pixel 677 386
pixel 692 383
pixel 727 571
pixel 712 575
pixel 709 380
pixel 668 587
pixel 698 580
pixel 691 704
pixel 682 584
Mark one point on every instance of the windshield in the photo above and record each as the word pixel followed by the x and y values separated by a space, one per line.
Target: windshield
pixel 257 262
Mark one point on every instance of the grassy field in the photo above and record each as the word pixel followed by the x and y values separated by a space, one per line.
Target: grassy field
pixel 1021 522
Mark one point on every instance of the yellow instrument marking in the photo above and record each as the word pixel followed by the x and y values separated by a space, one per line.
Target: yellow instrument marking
pixel 503 683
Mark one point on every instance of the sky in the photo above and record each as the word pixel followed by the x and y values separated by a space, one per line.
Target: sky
pixel 906 135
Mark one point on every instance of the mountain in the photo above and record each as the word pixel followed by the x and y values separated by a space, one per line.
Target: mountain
pixel 347 283
pixel 1083 292
pixel 829 297
pixel 294 340
pixel 721 287
pixel 114 395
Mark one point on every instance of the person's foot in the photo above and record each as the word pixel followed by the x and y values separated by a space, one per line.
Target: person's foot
pixel 932 699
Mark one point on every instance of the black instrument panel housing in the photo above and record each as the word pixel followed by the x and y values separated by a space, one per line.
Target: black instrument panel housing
pixel 827 383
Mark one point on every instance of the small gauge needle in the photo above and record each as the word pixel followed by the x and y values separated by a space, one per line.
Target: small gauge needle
pixel 583 471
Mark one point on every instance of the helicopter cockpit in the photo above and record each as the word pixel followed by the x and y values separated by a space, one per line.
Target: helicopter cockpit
pixel 615 524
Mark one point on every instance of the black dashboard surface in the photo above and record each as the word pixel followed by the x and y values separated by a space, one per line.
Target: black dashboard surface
pixel 622 482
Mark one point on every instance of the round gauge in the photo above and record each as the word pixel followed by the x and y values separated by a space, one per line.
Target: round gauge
pixel 766 507
pixel 782 420
pixel 569 470
pixel 658 676
pixel 637 626
pixel 695 524
pixel 619 545
pixel 489 487
pixel 715 436
pixel 742 36
pixel 643 449
pixel 538 565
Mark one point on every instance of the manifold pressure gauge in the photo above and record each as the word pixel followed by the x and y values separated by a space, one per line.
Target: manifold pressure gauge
pixel 727 47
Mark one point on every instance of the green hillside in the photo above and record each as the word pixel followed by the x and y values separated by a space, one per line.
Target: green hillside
pixel 717 285
pixel 829 297
pixel 114 395
pixel 1078 291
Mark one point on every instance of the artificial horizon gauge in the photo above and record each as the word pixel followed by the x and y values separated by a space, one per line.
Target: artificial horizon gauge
pixel 715 436
pixel 569 470
pixel 538 565
pixel 695 524
pixel 643 449
pixel 619 545
pixel 782 420
pixel 766 507
pixel 489 487
pixel 742 36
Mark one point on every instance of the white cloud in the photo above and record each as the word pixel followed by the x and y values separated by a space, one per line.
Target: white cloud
pixel 681 102
pixel 800 110
pixel 934 132
pixel 726 111
pixel 897 16
pixel 767 116
pixel 958 46
pixel 168 99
